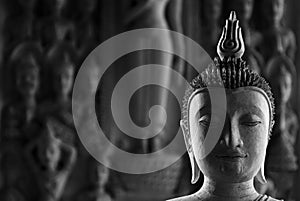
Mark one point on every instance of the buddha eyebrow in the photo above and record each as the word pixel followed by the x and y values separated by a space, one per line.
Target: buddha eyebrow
pixel 254 110
pixel 205 109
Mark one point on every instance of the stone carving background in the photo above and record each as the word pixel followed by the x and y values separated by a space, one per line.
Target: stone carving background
pixel 28 35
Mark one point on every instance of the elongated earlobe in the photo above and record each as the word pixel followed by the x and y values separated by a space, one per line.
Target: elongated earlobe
pixel 195 168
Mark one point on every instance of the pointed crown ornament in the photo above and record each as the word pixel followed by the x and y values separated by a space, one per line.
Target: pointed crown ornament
pixel 231 43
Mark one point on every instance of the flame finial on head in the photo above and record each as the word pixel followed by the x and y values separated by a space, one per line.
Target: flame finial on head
pixel 231 43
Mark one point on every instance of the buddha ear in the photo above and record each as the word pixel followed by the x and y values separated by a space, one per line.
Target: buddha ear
pixel 261 174
pixel 195 169
pixel 187 139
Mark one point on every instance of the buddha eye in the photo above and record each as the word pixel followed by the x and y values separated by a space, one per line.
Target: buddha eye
pixel 250 120
pixel 251 123
pixel 204 120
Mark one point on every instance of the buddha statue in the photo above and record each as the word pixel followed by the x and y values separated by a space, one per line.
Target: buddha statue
pixel 273 30
pixel 52 162
pixel 244 10
pixel 238 155
pixel 21 51
pixel 19 115
pixel 59 107
pixel 282 161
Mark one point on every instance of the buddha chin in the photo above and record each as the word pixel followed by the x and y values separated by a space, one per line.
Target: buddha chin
pixel 230 168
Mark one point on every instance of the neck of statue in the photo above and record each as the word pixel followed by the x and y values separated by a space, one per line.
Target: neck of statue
pixel 228 191
pixel 29 101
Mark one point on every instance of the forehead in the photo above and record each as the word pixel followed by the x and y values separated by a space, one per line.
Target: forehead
pixel 241 99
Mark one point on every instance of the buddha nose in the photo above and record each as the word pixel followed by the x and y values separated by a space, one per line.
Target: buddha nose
pixel 231 136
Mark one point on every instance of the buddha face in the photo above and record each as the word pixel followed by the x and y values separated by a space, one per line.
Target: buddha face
pixel 63 80
pixel 27 81
pixel 212 9
pixel 49 154
pixel 240 151
pixel 274 10
pixel 243 8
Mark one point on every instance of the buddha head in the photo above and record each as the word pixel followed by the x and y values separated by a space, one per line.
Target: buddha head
pixel 239 152
pixel 48 149
pixel 63 77
pixel 27 77
pixel 274 11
